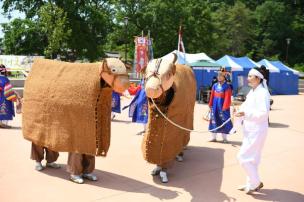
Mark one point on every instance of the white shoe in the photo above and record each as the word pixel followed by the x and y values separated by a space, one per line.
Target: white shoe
pixel 112 118
pixel 90 176
pixel 163 177
pixel 156 171
pixel 2 125
pixel 232 131
pixel 225 141
pixel 179 158
pixel 39 166
pixel 53 165
pixel 141 132
pixel 212 140
pixel 242 188
pixel 250 191
pixel 77 179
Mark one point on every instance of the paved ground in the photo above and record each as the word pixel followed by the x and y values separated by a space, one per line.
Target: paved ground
pixel 209 173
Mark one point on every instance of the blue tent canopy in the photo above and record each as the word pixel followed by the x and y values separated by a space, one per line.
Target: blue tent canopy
pixel 279 63
pixel 280 66
pixel 274 77
pixel 246 62
pixel 289 83
pixel 284 81
pixel 239 74
pixel 228 62
pixel 269 66
pixel 204 72
pixel 237 70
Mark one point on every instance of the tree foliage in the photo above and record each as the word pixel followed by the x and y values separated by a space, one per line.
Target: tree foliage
pixel 23 37
pixel 79 27
pixel 85 29
pixel 53 23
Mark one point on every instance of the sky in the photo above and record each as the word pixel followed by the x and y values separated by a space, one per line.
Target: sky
pixel 4 19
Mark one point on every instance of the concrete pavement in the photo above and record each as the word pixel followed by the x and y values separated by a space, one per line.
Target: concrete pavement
pixel 210 171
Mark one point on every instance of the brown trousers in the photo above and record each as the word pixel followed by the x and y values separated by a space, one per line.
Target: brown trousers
pixel 166 165
pixel 80 164
pixel 37 154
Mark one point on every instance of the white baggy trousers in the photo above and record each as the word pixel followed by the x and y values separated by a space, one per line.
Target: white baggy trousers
pixel 255 126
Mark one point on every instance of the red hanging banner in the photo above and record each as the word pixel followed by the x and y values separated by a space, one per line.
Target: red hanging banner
pixel 141 44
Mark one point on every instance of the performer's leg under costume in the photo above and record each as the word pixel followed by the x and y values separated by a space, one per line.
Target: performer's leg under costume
pixel 37 154
pixel 79 164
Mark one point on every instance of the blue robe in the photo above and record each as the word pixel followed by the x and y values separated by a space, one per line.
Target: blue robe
pixel 116 102
pixel 220 108
pixel 138 108
pixel 7 111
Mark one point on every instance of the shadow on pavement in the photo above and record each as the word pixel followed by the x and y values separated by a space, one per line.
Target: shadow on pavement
pixel 121 121
pixel 200 174
pixel 276 109
pixel 118 182
pixel 12 128
pixel 278 125
pixel 232 143
pixel 16 128
pixel 278 195
pixel 235 143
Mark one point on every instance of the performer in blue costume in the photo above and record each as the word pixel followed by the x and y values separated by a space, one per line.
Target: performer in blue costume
pixel 115 103
pixel 7 97
pixel 138 108
pixel 219 103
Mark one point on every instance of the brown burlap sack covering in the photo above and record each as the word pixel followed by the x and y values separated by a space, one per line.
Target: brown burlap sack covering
pixel 163 141
pixel 65 108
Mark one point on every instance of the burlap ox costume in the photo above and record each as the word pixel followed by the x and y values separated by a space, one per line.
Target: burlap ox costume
pixel 67 108
pixel 173 88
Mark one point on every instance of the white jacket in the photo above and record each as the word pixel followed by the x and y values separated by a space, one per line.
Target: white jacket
pixel 255 124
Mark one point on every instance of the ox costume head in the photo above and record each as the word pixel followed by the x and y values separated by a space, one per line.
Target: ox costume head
pixel 114 72
pixel 159 76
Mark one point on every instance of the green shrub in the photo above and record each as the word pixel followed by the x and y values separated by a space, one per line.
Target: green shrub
pixel 299 67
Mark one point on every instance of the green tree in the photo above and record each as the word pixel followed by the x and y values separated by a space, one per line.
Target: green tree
pixel 258 29
pixel 23 37
pixel 89 22
pixel 29 7
pixel 296 49
pixel 1 45
pixel 53 23
pixel 163 19
pixel 273 27
pixel 234 31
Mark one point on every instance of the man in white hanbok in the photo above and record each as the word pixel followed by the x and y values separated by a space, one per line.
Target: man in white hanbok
pixel 254 112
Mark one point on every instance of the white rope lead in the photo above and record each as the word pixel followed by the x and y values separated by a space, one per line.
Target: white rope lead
pixel 186 129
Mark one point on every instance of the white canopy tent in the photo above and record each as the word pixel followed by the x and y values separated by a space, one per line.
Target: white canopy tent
pixel 269 66
pixel 187 58
pixel 227 62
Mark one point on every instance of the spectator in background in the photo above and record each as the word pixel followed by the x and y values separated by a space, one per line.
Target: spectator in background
pixel 219 103
pixel 7 99
pixel 214 81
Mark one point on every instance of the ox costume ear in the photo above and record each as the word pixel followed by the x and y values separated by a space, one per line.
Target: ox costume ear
pixel 174 58
pixel 173 67
pixel 104 67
